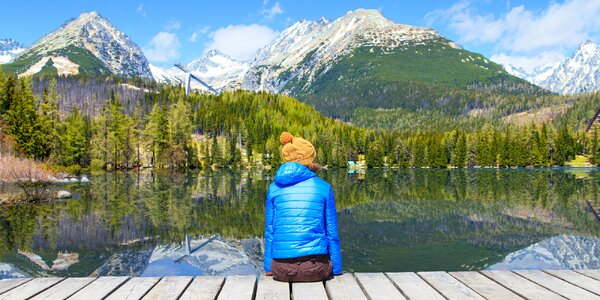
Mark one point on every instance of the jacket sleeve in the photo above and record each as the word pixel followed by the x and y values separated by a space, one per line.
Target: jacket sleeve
pixel 332 234
pixel 268 232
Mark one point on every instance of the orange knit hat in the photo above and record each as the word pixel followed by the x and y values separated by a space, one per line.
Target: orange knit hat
pixel 297 149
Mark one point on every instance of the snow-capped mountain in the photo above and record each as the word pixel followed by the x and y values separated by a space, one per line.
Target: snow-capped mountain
pixel 89 44
pixel 309 46
pixel 9 49
pixel 219 70
pixel 579 73
pixel 163 75
pixel 215 68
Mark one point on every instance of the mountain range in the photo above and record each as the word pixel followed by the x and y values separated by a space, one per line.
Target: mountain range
pixel 359 66
pixel 361 59
pixel 579 73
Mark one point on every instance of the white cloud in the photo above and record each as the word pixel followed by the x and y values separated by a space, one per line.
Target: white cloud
pixel 140 10
pixel 172 25
pixel 163 47
pixel 522 33
pixel 241 41
pixel 197 33
pixel 529 63
pixel 270 12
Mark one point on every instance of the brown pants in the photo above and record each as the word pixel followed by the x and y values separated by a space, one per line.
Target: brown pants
pixel 302 269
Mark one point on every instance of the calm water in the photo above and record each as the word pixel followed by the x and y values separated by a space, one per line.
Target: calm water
pixel 396 220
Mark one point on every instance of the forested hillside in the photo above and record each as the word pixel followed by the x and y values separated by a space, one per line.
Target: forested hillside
pixel 164 128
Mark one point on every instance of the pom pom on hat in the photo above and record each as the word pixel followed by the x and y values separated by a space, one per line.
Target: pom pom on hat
pixel 285 138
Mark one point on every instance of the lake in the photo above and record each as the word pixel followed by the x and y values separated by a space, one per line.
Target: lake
pixel 211 222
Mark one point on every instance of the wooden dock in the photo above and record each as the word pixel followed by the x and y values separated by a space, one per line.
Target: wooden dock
pixel 546 285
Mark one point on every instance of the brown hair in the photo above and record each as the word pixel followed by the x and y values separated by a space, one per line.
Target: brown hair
pixel 315 167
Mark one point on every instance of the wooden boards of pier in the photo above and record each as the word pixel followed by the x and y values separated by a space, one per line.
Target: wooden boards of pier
pixel 546 285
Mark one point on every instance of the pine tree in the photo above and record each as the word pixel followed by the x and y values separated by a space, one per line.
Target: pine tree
pixel 180 130
pixel 9 92
pixel 460 153
pixel 375 154
pixel 215 151
pixel 156 135
pixel 25 124
pixel 75 141
pixel 594 150
pixel 50 120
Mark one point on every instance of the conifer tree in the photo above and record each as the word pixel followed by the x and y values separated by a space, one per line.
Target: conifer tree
pixel 180 130
pixel 9 92
pixel 75 141
pixel 156 134
pixel 24 122
pixel 50 119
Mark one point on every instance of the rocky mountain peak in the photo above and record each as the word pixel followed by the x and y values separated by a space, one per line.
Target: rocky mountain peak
pixel 579 73
pixel 96 34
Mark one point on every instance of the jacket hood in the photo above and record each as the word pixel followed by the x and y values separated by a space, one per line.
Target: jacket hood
pixel 293 172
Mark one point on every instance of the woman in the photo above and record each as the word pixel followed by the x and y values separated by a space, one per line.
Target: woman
pixel 301 236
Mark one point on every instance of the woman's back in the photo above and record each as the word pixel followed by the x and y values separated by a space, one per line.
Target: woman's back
pixel 301 236
pixel 299 201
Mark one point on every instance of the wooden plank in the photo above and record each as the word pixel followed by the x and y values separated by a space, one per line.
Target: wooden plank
pixel 448 286
pixel 64 289
pixel 9 284
pixel 204 287
pixel 134 288
pixel 557 285
pixel 413 286
pixel 170 287
pixel 268 288
pixel 31 288
pixel 99 288
pixel 309 291
pixel 484 286
pixel 378 286
pixel 344 287
pixel 577 279
pixel 590 273
pixel 520 285
pixel 238 287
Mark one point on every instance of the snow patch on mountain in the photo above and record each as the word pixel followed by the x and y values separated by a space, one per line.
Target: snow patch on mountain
pixel 9 49
pixel 64 67
pixel 308 46
pixel 96 34
pixel 579 73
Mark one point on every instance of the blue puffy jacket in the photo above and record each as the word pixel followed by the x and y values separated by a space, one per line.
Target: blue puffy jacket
pixel 300 217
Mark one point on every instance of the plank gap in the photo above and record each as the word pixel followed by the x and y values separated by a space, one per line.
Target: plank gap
pixel 395 285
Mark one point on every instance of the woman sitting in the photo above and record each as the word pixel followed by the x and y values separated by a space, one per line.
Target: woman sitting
pixel 301 236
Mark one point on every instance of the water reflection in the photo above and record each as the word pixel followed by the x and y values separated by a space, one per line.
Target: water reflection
pixel 558 252
pixel 395 220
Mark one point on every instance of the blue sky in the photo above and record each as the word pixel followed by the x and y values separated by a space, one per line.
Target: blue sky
pixel 525 33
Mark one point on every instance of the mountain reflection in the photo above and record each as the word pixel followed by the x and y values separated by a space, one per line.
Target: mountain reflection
pixel 395 220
